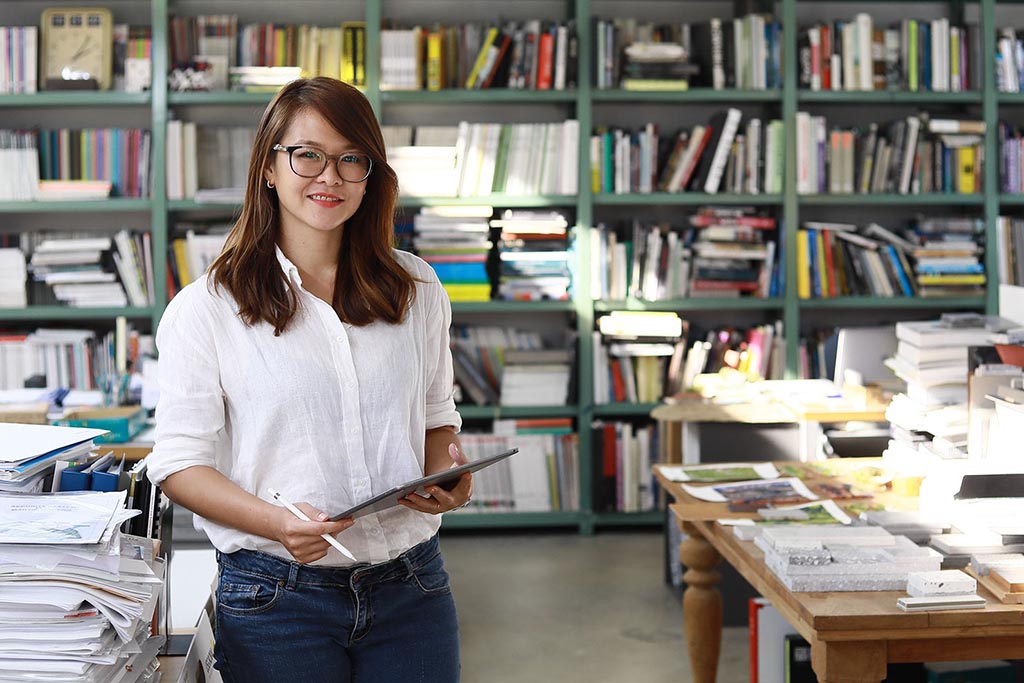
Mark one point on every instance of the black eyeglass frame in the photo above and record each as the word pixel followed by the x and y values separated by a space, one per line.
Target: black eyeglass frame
pixel 327 157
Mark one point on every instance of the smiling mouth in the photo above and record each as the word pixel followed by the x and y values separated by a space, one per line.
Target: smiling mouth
pixel 325 198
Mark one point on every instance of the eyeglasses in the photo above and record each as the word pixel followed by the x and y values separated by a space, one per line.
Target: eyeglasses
pixel 309 162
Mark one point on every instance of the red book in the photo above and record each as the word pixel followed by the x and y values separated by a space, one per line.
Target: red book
pixel 618 385
pixel 688 173
pixel 608 456
pixel 722 286
pixel 829 264
pixel 759 222
pixel 545 61
pixel 826 57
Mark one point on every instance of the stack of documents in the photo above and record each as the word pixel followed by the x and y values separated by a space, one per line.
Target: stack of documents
pixel 76 597
pixel 30 451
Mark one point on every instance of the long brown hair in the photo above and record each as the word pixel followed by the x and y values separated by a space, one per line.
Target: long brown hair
pixel 370 284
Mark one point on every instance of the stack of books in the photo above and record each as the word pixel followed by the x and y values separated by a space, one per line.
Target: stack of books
pixel 189 257
pixel 533 252
pixel 13 272
pixel 261 78
pixel 536 377
pixel 1009 66
pixel 657 66
pixel 455 241
pixel 930 418
pixel 637 356
pixel 948 259
pixel 732 255
pixel 426 166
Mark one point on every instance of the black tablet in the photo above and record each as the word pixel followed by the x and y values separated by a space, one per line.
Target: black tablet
pixel 446 480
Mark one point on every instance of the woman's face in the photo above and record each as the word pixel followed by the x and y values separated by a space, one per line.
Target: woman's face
pixel 323 202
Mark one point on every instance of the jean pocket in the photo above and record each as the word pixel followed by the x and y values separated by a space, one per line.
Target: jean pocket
pixel 242 594
pixel 431 577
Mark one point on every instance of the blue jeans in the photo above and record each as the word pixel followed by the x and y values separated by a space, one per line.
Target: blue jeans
pixel 281 621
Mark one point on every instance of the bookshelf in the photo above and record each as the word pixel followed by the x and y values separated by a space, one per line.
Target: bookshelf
pixel 590 106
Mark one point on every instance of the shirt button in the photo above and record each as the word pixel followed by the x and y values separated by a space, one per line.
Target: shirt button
pixel 375 531
pixel 339 339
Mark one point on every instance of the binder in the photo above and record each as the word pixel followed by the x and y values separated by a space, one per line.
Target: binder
pixel 107 477
pixel 79 477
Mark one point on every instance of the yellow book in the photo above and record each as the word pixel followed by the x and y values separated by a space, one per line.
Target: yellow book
pixel 821 265
pixel 803 264
pixel 468 292
pixel 556 501
pixel 435 60
pixel 954 60
pixel 965 157
pixel 353 52
pixel 280 47
pixel 181 259
pixel 481 57
pixel 978 279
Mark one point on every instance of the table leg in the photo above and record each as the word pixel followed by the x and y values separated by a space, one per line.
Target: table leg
pixel 702 604
pixel 810 441
pixel 849 661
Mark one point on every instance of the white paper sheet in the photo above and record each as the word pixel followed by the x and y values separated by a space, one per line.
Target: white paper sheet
pixel 743 490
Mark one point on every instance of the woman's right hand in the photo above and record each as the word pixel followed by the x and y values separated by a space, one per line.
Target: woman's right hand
pixel 303 539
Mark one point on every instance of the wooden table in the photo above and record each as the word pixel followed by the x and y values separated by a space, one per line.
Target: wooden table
pixel 852 635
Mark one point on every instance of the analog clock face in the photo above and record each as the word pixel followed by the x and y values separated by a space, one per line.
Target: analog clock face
pixel 77 46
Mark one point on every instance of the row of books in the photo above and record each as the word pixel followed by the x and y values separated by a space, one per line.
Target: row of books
pixel 190 256
pixel 637 356
pixel 936 257
pixel 1011 159
pixel 19 53
pixel 1009 60
pixel 543 477
pixel 623 454
pixel 745 53
pixel 335 51
pixel 505 366
pixel 478 159
pixel 926 55
pixel 721 252
pixel 204 158
pixel 1010 249
pixel 516 55
pixel 914 155
pixel 722 155
pixel 62 359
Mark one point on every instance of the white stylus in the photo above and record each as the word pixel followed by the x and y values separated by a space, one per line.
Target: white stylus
pixel 276 495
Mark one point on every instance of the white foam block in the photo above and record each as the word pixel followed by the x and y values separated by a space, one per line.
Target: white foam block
pixel 940 603
pixel 947 582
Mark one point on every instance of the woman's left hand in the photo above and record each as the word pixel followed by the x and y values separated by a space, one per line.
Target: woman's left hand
pixel 441 500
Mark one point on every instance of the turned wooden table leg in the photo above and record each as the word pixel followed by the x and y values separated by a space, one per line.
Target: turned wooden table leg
pixel 702 604
pixel 849 661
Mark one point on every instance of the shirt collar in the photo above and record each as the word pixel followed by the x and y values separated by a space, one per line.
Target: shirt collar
pixel 289 268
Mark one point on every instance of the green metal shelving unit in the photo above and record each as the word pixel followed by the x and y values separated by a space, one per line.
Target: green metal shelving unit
pixel 585 104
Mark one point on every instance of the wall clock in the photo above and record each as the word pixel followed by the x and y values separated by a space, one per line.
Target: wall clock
pixel 77 48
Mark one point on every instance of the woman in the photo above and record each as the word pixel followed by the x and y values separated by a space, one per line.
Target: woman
pixel 313 359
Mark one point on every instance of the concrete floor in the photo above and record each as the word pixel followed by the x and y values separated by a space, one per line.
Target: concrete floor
pixel 570 608
pixel 539 607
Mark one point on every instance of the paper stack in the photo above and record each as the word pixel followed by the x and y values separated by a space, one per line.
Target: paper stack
pixel 929 420
pixel 76 598
pixel 30 452
pixel 843 558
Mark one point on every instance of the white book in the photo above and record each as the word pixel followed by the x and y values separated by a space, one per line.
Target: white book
pixel 864 33
pixel 189 160
pixel 721 154
pixel 175 163
pixel 569 167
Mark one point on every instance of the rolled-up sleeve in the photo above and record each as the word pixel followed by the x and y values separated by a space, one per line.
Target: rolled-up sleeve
pixel 190 410
pixel 441 410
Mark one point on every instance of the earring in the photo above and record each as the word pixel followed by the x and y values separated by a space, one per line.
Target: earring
pixel 270 185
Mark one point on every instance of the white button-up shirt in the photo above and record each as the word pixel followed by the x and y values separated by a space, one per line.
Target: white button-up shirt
pixel 327 413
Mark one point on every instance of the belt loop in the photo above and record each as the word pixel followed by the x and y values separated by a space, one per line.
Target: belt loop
pixel 409 566
pixel 293 575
